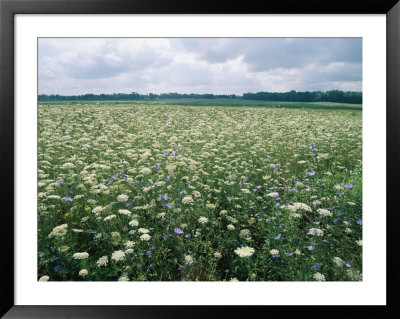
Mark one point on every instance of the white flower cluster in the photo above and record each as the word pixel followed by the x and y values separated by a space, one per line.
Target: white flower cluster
pixel 59 231
pixel 133 223
pixel 319 277
pixel 188 260
pixel 203 220
pixel 187 200
pixel 118 255
pixel 83 255
pixel 274 252
pixel 145 237
pixel 122 198
pixel 324 212
pixel 124 212
pixel 143 231
pixel 83 272
pixel 102 261
pixel 244 251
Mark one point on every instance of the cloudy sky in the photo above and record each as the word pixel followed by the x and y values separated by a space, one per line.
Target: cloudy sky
pixel 72 66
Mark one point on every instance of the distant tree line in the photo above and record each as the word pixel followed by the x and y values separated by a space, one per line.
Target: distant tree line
pixel 292 96
pixel 316 96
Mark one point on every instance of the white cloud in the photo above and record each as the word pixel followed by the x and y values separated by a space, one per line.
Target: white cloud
pixel 206 65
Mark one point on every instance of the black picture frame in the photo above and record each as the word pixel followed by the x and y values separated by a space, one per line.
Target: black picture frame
pixel 8 8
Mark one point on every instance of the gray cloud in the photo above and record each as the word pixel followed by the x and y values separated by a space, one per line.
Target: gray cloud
pixel 198 65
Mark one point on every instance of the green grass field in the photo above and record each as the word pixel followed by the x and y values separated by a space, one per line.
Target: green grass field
pixel 156 192
pixel 224 102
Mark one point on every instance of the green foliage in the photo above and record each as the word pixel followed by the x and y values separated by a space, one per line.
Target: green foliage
pixel 125 178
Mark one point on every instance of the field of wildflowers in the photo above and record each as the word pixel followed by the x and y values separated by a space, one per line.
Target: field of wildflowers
pixel 171 193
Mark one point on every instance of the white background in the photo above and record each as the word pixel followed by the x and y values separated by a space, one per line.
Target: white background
pixel 372 28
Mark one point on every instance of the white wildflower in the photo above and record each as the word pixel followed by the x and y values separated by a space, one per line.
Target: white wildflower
pixel 338 261
pixel 354 274
pixel 143 231
pixel 44 278
pixel 203 220
pixel 217 254
pixel 316 232
pixel 161 215
pixel 122 198
pixel 145 171
pixel 103 261
pixel 324 212
pixel 83 272
pixel 97 210
pixel 188 260
pixel 123 278
pixel 129 244
pixel 244 251
pixel 83 255
pixel 124 212
pixel 274 252
pixel 109 217
pixel 118 255
pixel 133 223
pixel 187 200
pixel 244 233
pixel 59 231
pixel 145 237
pixel 319 277
pixel 273 194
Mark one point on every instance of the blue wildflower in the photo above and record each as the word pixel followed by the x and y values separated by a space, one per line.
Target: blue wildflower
pixel 178 231
pixel 57 268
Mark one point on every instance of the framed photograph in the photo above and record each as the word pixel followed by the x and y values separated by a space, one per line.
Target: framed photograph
pixel 167 158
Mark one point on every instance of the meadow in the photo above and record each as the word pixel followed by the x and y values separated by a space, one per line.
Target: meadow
pixel 134 192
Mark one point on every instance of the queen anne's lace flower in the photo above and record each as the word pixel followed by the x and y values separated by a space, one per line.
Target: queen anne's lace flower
pixel 122 198
pixel 145 237
pixel 83 255
pixel 244 251
pixel 118 255
pixel 103 261
pixel 203 220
